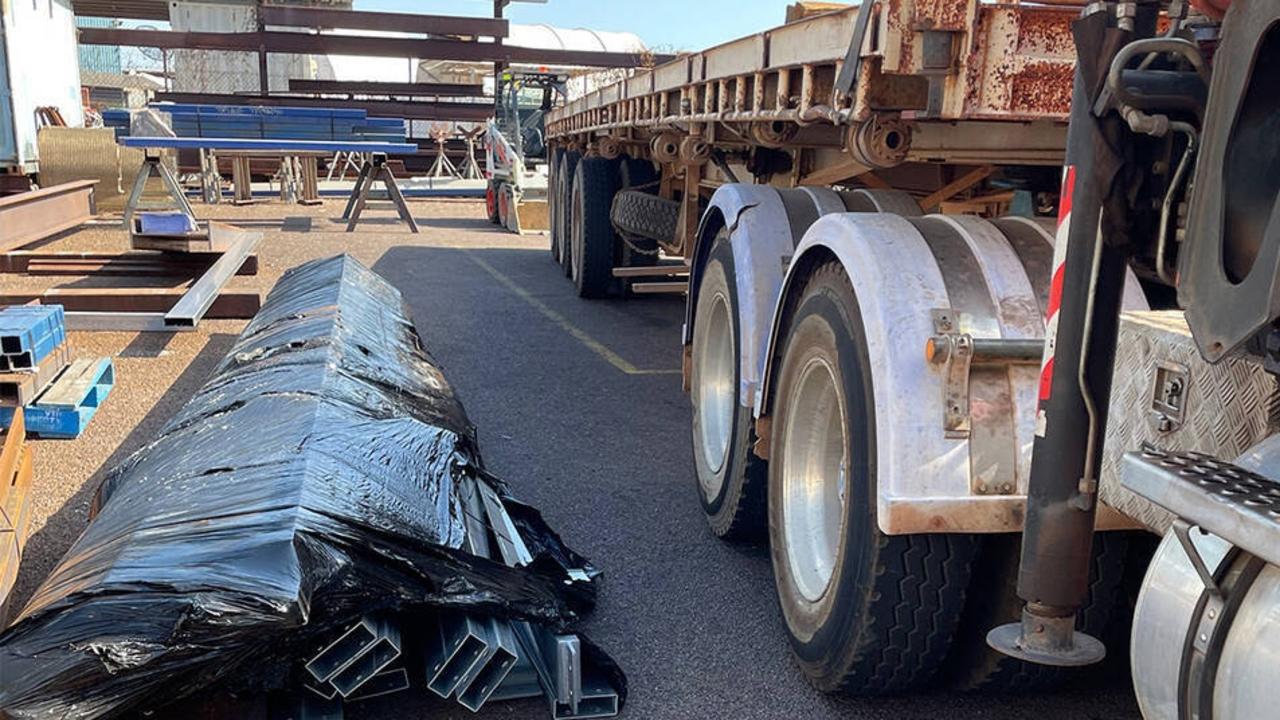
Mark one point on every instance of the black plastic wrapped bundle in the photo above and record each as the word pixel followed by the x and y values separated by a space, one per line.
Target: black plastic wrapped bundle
pixel 313 479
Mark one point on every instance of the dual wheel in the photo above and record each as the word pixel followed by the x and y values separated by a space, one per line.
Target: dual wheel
pixel 867 613
pixel 583 239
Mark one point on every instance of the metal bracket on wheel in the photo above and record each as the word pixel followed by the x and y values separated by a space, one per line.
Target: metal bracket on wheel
pixel 960 352
pixel 955 349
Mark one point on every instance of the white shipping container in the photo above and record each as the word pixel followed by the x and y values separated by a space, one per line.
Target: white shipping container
pixel 39 67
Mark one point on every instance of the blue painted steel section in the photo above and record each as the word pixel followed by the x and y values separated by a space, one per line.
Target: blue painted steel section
pixel 311 112
pixel 245 123
pixel 269 145
pixel 35 329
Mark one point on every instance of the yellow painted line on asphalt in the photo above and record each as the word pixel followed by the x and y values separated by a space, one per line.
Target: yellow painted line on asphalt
pixel 578 333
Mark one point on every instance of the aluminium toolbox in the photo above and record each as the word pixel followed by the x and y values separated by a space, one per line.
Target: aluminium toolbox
pixel 1166 396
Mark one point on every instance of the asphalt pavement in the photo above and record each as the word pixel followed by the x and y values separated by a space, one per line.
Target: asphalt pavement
pixel 579 407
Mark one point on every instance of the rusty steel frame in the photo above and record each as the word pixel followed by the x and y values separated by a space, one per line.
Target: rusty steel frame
pixel 1004 62
pixel 300 43
pixel 320 17
pixel 385 89
pixel 965 83
pixel 409 110
pixel 32 216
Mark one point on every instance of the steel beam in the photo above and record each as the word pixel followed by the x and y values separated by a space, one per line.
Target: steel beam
pixel 200 296
pixel 31 216
pixel 314 17
pixel 35 262
pixel 371 87
pixel 457 111
pixel 239 305
pixel 123 9
pixel 308 43
pixel 89 321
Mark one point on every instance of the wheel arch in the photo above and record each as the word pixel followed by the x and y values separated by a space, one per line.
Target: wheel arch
pixel 926 478
pixel 895 279
pixel 765 224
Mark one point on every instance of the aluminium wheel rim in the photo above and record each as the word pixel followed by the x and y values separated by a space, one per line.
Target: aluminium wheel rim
pixel 814 478
pixel 716 360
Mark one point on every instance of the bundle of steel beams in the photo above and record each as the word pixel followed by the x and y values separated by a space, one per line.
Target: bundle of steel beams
pixel 469 657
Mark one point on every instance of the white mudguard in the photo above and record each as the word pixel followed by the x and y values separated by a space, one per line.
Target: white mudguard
pixel 765 224
pixel 903 272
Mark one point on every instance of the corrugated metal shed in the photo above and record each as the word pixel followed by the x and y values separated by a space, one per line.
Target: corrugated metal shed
pixel 99 58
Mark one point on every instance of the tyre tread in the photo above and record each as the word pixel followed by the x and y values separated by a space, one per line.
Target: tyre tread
pixel 599 178
pixel 642 214
pixel 913 604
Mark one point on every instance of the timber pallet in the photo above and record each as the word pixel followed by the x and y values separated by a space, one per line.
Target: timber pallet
pixel 22 388
pixel 15 506
pixel 70 402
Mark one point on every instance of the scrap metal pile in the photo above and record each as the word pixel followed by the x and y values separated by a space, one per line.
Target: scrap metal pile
pixel 316 519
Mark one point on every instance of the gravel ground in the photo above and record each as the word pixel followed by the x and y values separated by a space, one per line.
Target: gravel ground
pixel 602 448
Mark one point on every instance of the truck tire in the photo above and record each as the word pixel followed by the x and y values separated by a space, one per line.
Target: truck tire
pixel 637 174
pixel 491 201
pixel 568 170
pixel 553 202
pixel 640 214
pixel 594 248
pixel 731 479
pixel 993 600
pixel 867 613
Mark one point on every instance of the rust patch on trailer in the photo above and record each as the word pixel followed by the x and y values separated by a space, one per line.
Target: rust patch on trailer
pixel 1022 64
pixel 1045 33
pixel 941 15
pixel 1004 513
pixel 1042 88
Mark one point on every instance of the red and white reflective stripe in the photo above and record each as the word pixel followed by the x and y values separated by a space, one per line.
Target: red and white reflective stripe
pixel 1055 292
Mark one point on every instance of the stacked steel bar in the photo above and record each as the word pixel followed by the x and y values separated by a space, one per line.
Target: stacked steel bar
pixel 29 334
pixel 317 478
pixel 254 122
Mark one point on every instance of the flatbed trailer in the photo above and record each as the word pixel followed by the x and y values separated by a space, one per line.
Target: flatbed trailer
pixel 934 94
pixel 932 343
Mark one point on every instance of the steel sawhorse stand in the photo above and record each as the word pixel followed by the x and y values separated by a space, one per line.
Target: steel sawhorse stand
pixel 152 165
pixel 375 169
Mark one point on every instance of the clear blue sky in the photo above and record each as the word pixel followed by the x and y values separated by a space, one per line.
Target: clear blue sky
pixel 669 24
